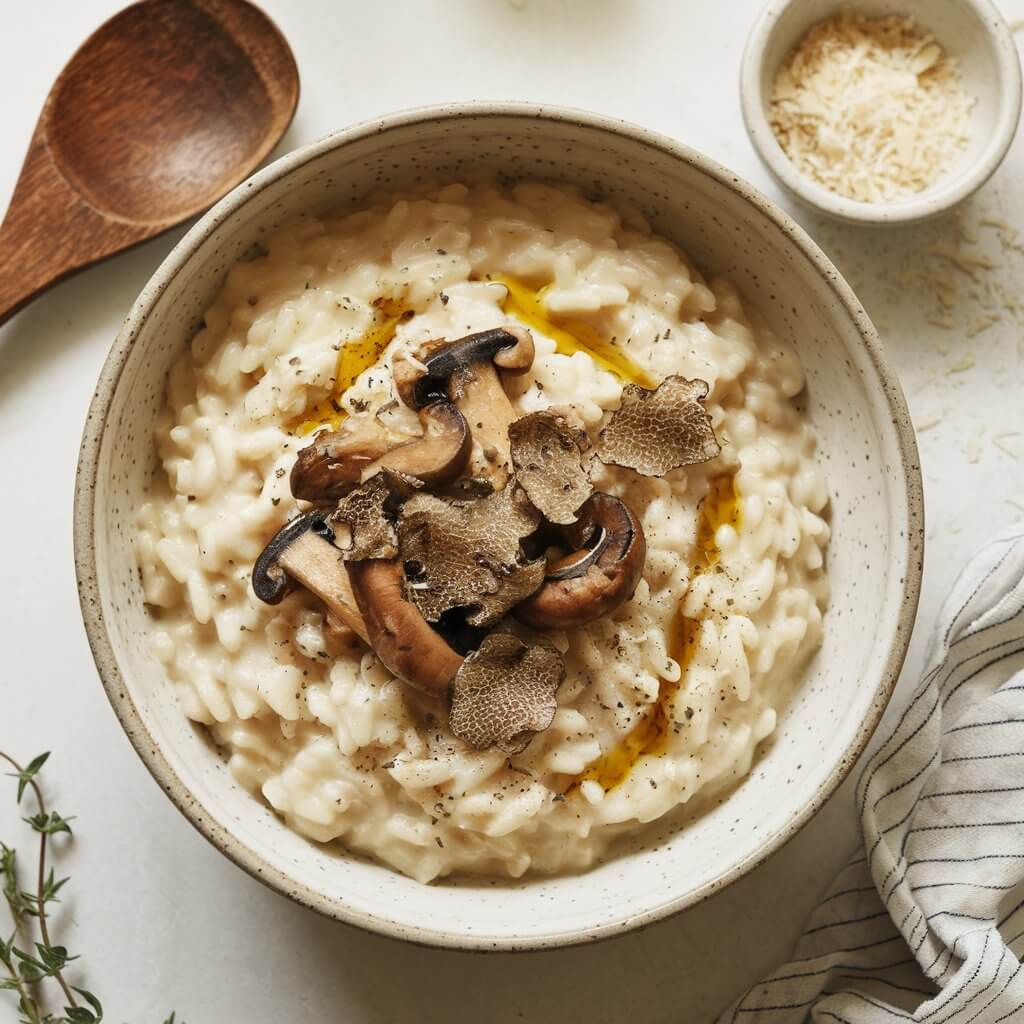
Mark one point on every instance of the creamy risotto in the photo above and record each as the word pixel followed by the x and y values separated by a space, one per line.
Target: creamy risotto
pixel 665 695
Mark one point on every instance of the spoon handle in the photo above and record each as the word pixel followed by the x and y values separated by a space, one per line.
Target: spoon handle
pixel 50 231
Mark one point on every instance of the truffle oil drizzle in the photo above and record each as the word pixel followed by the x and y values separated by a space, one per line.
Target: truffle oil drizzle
pixel 354 357
pixel 569 335
pixel 720 506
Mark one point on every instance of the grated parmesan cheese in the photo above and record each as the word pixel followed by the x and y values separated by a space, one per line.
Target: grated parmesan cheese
pixel 871 108
pixel 963 364
pixel 972 449
pixel 927 422
pixel 1002 442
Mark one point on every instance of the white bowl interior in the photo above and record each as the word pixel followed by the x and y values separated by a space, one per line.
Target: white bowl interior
pixel 873 559
pixel 972 31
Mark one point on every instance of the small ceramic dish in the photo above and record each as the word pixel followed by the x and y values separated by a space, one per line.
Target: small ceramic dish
pixel 866 448
pixel 972 31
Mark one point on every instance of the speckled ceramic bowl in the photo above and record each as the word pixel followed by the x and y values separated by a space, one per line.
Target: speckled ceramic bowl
pixel 972 31
pixel 867 449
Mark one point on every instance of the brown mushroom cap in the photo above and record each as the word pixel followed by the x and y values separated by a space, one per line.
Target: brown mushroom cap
pixel 437 457
pixel 302 552
pixel 467 554
pixel 547 453
pixel 398 633
pixel 336 462
pixel 598 577
pixel 333 463
pixel 504 693
pixel 654 432
pixel 510 348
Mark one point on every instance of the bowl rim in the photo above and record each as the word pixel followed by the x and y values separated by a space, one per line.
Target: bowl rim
pixel 906 211
pixel 85 535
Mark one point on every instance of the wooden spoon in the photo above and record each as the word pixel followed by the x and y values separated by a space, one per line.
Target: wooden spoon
pixel 162 110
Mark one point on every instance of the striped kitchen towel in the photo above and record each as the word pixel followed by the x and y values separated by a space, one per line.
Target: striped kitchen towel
pixel 926 922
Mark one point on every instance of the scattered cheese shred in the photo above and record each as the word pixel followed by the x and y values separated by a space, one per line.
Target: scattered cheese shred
pixel 966 262
pixel 1008 236
pixel 871 108
pixel 1001 441
pixel 982 323
pixel 973 447
pixel 927 422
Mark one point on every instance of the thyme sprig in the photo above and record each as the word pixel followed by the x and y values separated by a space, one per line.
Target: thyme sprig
pixel 29 961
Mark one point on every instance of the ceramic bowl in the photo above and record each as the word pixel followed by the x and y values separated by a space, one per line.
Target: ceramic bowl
pixel 867 450
pixel 972 31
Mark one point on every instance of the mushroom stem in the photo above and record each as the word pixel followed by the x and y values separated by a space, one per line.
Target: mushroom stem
pixel 398 633
pixel 301 552
pixel 599 576
pixel 315 563
pixel 481 399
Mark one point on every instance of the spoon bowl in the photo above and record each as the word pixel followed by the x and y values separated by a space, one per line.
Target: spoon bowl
pixel 164 109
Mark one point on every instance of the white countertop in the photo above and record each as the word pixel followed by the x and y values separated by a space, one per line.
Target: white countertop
pixel 161 919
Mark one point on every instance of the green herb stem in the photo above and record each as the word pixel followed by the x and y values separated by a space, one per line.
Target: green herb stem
pixel 41 877
pixel 28 963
